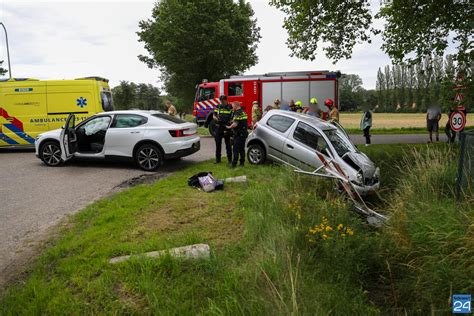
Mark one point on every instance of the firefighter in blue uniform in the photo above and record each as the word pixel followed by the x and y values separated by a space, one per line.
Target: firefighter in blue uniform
pixel 222 117
pixel 239 127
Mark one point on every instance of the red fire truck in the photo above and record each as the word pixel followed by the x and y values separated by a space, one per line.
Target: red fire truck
pixel 285 86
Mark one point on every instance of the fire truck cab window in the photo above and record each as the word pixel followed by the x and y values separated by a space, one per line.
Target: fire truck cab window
pixel 206 94
pixel 236 89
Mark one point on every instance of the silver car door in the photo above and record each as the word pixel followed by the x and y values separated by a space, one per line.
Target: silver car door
pixel 301 146
pixel 274 133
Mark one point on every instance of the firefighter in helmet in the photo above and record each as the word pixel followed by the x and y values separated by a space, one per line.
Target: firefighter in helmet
pixel 222 117
pixel 299 106
pixel 333 111
pixel 239 127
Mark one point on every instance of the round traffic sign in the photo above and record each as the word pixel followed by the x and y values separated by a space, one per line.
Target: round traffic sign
pixel 457 121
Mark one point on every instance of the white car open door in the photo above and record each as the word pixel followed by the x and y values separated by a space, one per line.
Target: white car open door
pixel 68 140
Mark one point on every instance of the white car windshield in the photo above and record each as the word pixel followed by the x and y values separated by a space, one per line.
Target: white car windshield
pixel 341 144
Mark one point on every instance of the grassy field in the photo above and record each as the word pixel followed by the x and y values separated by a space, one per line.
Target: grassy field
pixel 281 244
pixel 395 120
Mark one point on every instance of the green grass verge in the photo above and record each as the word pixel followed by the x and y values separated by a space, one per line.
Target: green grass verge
pixel 268 253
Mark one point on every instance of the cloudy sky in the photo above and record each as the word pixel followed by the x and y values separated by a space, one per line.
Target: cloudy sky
pixel 70 39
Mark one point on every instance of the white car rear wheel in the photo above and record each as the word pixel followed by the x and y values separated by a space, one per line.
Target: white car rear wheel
pixel 50 153
pixel 149 157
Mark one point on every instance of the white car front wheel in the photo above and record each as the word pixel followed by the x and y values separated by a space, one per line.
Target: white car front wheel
pixel 50 153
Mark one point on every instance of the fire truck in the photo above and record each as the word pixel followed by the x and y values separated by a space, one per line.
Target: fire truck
pixel 285 86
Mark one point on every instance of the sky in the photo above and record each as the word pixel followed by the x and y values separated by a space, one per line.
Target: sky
pixel 71 39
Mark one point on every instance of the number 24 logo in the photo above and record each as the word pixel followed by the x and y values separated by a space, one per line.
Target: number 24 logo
pixel 461 306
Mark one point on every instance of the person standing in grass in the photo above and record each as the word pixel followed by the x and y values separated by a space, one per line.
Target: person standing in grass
pixel 366 124
pixel 433 115
pixel 239 127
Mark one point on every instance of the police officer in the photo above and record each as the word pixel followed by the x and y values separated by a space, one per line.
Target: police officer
pixel 239 127
pixel 222 117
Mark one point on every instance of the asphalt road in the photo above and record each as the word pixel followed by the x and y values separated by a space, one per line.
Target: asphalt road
pixel 35 197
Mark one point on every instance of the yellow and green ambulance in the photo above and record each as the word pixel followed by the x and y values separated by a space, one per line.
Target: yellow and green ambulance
pixel 29 107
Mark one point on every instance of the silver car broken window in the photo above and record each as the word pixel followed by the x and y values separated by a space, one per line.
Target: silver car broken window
pixel 341 144
pixel 310 137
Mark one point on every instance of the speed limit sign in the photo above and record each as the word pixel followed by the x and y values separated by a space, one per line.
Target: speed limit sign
pixel 457 121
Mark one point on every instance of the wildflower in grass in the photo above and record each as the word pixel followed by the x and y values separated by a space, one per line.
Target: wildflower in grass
pixel 325 232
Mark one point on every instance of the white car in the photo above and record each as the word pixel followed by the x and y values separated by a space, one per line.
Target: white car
pixel 147 137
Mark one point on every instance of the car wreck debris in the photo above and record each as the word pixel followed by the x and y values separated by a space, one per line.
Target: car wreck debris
pixel 196 251
pixel 331 169
pixel 240 179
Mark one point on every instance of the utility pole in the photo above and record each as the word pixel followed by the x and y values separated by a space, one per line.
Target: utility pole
pixel 8 51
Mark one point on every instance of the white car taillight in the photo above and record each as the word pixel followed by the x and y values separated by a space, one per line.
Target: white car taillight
pixel 182 132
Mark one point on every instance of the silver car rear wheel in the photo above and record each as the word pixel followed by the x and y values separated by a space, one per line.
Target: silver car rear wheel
pixel 149 157
pixel 256 154
pixel 50 154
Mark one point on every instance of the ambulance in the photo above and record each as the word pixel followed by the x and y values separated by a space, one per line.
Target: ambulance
pixel 265 88
pixel 29 107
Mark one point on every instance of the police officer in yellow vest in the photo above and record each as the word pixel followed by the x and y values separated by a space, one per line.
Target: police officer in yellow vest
pixel 239 127
pixel 222 117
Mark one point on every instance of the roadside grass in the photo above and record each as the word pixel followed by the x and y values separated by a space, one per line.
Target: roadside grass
pixel 281 244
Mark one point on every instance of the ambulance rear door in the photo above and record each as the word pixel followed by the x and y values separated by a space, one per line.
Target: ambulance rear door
pixel 22 112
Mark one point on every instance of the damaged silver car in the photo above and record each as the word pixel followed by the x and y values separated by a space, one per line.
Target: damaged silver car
pixel 295 139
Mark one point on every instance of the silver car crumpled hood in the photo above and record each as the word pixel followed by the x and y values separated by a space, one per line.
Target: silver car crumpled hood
pixel 365 164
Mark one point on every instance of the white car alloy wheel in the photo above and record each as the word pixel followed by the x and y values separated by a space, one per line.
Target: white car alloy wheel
pixel 256 154
pixel 51 154
pixel 149 157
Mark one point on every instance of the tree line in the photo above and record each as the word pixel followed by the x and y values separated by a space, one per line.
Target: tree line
pixel 130 95
pixel 415 87
pixel 408 87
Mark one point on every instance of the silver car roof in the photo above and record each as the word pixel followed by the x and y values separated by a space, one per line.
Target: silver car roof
pixel 308 119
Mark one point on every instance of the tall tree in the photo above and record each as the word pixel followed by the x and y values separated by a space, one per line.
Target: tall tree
pixel 192 40
pixel 380 86
pixel 124 95
pixel 351 92
pixel 389 89
pixel 420 84
pixel 411 84
pixel 413 29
